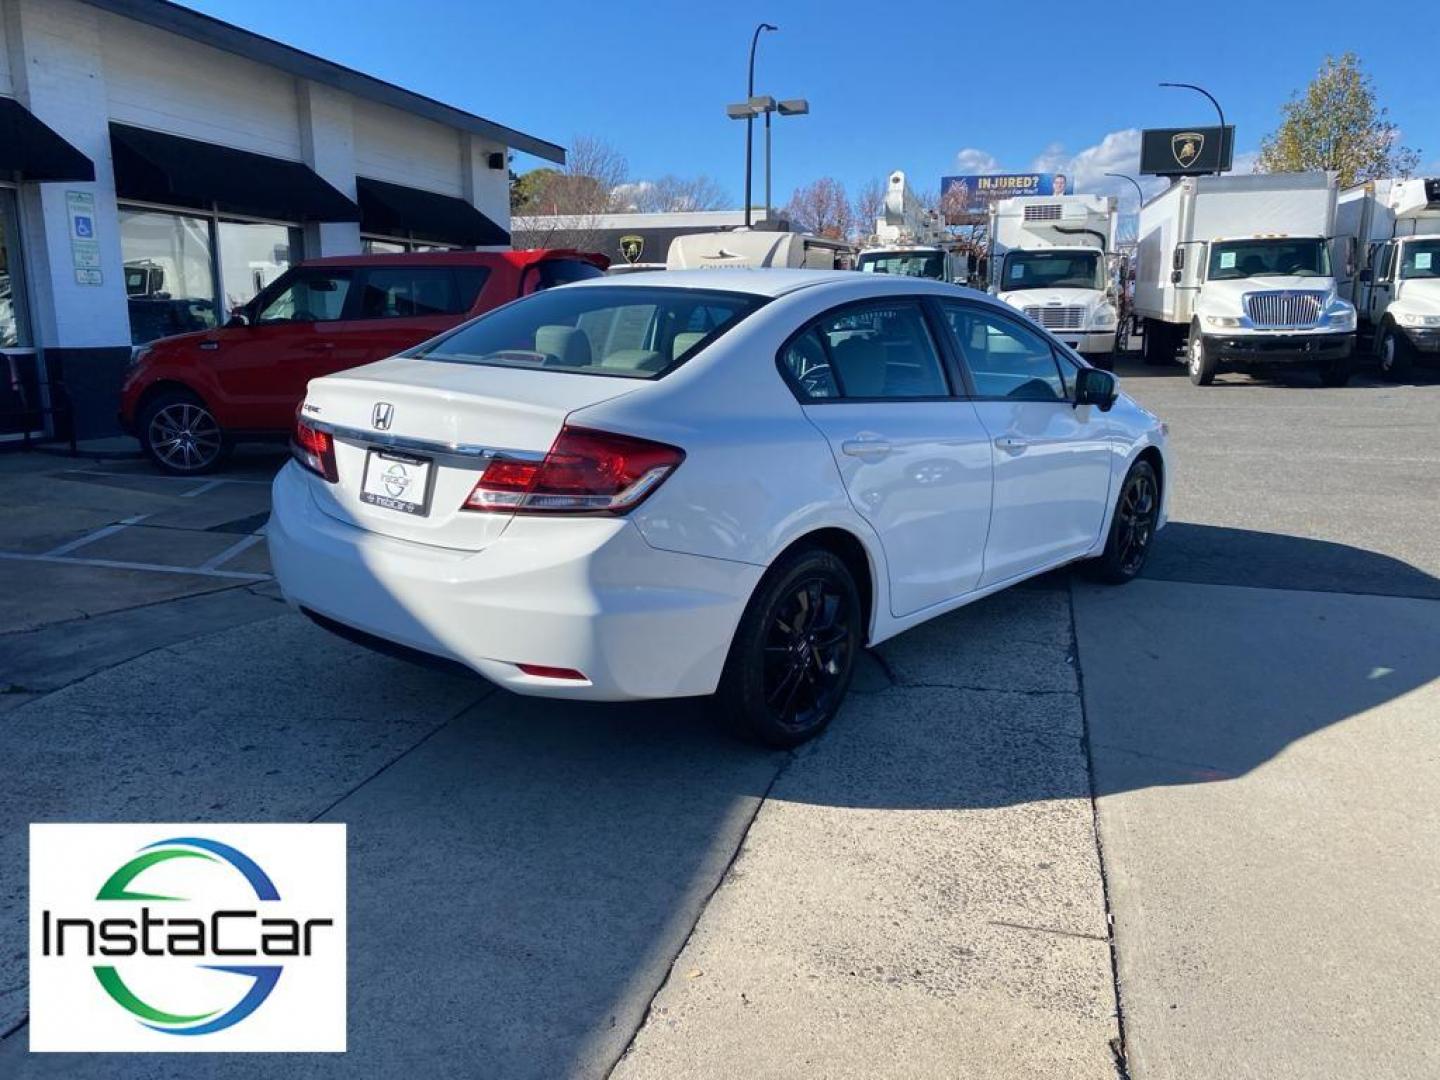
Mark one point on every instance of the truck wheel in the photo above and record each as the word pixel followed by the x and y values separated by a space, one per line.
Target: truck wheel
pixel 1200 358
pixel 1394 352
pixel 1337 372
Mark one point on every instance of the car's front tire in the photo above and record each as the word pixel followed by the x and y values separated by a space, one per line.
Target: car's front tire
pixel 1200 359
pixel 793 654
pixel 1132 527
pixel 180 434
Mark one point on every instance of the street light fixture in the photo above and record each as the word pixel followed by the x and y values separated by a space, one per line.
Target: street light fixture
pixel 1218 109
pixel 764 104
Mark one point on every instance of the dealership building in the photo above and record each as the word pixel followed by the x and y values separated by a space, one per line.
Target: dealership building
pixel 158 167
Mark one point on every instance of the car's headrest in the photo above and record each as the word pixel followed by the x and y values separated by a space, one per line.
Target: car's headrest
pixel 860 363
pixel 683 343
pixel 563 346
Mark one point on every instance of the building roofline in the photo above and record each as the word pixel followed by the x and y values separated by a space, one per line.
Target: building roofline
pixel 218 34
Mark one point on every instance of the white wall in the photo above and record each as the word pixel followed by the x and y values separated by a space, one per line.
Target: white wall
pixel 6 86
pixel 169 83
pixel 404 149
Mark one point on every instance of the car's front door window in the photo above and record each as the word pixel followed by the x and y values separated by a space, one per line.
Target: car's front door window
pixel 308 296
pixel 1006 360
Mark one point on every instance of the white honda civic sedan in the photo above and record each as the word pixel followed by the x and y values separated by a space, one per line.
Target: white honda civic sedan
pixel 707 483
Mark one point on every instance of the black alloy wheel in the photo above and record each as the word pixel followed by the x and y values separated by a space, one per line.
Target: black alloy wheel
pixel 1132 530
pixel 794 651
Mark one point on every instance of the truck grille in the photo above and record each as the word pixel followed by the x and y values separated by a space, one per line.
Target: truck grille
pixel 1043 212
pixel 1057 318
pixel 1284 310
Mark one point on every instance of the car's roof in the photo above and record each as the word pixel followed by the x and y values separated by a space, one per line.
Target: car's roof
pixel 775 282
pixel 458 258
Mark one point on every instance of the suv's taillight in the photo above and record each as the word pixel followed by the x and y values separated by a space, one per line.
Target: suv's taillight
pixel 585 472
pixel 314 449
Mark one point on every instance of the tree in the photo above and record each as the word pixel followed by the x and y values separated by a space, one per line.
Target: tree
pixel 562 207
pixel 672 194
pixel 869 206
pixel 1337 126
pixel 821 208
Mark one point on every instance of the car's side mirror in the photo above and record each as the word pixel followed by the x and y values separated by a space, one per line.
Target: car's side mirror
pixel 1175 277
pixel 238 317
pixel 1096 387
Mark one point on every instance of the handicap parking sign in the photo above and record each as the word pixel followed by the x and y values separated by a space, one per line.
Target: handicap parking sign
pixel 84 227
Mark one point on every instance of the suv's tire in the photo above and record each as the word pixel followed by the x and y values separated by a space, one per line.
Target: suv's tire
pixel 1200 358
pixel 1394 353
pixel 180 434
pixel 794 651
pixel 1132 527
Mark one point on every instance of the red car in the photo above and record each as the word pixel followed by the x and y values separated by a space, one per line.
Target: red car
pixel 190 398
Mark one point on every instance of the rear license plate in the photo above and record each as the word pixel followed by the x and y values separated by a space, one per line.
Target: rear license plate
pixel 397 482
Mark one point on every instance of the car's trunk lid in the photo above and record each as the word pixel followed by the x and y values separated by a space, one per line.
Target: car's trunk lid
pixel 412 436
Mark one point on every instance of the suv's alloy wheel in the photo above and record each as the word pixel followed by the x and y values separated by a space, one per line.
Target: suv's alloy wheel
pixel 181 435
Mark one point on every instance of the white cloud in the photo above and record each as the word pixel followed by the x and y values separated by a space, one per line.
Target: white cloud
pixel 974 162
pixel 627 196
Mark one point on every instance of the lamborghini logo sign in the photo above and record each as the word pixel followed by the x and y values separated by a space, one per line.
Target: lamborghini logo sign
pixel 1186 147
pixel 632 247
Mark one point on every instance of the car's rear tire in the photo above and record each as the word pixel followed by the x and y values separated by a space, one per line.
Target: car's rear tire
pixel 1132 527
pixel 1393 353
pixel 1200 358
pixel 180 434
pixel 793 654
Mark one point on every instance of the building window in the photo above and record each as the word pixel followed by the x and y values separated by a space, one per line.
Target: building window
pixel 385 245
pixel 14 326
pixel 252 255
pixel 169 273
pixel 186 272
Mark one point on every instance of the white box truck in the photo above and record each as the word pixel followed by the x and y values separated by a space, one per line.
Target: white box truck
pixel 1239 270
pixel 1394 229
pixel 758 248
pixel 1053 258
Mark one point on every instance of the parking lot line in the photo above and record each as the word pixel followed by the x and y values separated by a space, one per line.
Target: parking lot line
pixel 98 534
pixel 230 552
pixel 116 564
pixel 209 485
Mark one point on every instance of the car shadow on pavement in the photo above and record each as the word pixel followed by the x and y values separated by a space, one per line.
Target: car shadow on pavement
pixel 523 873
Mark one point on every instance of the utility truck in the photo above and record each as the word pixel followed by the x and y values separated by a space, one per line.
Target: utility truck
pixel 1239 270
pixel 757 248
pixel 1053 257
pixel 910 240
pixel 1394 229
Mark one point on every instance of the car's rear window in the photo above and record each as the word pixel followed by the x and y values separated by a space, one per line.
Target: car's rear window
pixel 622 331
pixel 547 273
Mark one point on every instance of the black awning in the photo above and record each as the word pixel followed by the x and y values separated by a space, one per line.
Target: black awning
pixel 167 169
pixel 394 210
pixel 31 151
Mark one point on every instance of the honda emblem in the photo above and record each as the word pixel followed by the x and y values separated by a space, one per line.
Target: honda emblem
pixel 382 415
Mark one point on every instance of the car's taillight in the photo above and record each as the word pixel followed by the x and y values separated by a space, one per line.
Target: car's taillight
pixel 585 472
pixel 314 449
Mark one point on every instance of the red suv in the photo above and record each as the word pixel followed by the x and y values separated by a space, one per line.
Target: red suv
pixel 189 398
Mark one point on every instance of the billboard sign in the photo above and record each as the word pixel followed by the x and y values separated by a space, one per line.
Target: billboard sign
pixel 966 198
pixel 1191 151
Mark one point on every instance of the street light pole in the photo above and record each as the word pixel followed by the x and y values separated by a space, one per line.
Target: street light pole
pixel 1218 110
pixel 750 121
pixel 1139 191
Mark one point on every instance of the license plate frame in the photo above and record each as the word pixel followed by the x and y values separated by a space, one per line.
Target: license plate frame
pixel 385 462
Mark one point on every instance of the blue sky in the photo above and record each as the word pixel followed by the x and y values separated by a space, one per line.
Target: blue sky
pixel 932 88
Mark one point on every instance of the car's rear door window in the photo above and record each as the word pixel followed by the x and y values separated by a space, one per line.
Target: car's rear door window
pixel 627 332
pixel 401 292
pixel 870 351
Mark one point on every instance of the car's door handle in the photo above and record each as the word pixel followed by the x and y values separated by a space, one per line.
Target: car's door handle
pixel 1012 444
pixel 866 448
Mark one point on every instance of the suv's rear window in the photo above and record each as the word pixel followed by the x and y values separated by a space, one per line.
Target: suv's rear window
pixel 629 332
pixel 548 273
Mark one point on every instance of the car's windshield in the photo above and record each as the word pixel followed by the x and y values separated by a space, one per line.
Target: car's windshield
pixel 1420 259
pixel 624 331
pixel 1053 270
pixel 1234 259
pixel 923 264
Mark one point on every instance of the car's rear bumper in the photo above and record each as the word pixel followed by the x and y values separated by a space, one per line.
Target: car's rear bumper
pixel 587 594
pixel 1282 348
